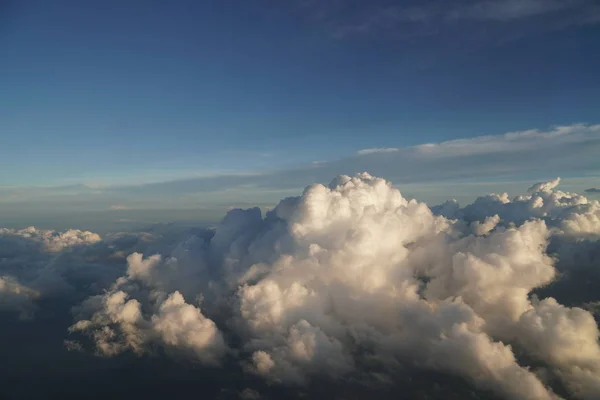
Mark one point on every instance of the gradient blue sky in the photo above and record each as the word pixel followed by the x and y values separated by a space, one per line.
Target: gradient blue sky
pixel 131 92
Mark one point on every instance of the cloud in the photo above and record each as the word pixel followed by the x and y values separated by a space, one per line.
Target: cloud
pixel 16 297
pixel 172 322
pixel 50 240
pixel 351 281
pixel 512 156
pixel 377 150
pixel 500 156
pixel 573 214
pixel 37 265
pixel 347 281
pixel 507 10
pixel 119 207
pixel 408 20
pixel 175 323
pixel 249 394
pixel 28 265
pixel 506 155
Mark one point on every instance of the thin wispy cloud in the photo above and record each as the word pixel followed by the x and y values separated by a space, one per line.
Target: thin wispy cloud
pixel 570 151
pixel 119 207
pixel 377 150
pixel 409 19
pixel 508 10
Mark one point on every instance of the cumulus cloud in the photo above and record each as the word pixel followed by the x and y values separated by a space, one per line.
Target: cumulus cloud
pixel 567 339
pixel 175 323
pixel 348 282
pixel 352 279
pixel 117 322
pixel 573 214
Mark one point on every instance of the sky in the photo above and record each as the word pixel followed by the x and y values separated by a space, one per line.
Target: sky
pixel 218 197
pixel 121 105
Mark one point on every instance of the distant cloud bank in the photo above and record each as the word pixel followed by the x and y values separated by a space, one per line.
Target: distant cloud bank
pixel 515 156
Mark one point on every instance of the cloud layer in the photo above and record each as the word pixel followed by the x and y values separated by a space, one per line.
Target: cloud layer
pixel 353 281
pixel 349 282
pixel 572 148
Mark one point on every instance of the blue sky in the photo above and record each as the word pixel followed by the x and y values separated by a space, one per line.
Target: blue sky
pixel 106 93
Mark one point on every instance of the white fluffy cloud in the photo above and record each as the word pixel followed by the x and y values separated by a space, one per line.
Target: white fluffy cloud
pixel 345 280
pixel 573 214
pixel 567 339
pixel 116 320
pixel 352 277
